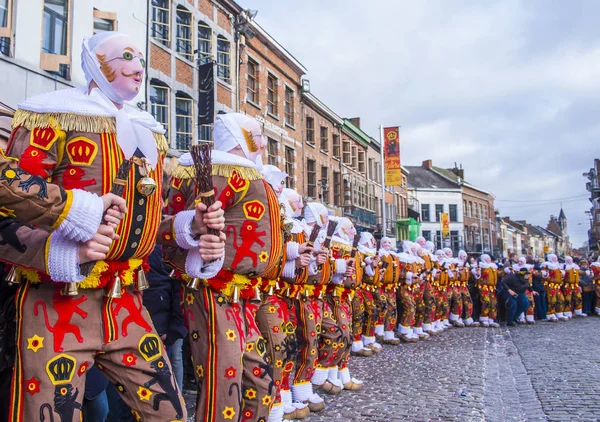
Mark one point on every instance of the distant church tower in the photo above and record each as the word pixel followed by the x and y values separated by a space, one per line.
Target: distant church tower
pixel 562 222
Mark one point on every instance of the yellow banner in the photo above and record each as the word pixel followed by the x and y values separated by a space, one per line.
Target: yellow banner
pixel 391 156
pixel 445 223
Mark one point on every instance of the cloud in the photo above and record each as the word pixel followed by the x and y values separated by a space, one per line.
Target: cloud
pixel 509 89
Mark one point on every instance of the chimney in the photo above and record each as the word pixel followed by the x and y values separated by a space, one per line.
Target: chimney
pixel 458 171
pixel 355 121
pixel 427 164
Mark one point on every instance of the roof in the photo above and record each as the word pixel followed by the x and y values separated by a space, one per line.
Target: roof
pixel 547 232
pixel 322 108
pixel 422 178
pixel 356 133
pixel 452 176
pixel 562 216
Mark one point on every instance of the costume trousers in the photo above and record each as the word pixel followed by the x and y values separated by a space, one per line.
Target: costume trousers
pixel 420 307
pixel 291 344
pixel 391 313
pixel 371 315
pixel 408 306
pixel 531 308
pixel 272 318
pixel 333 339
pixel 229 356
pixel 309 313
pixel 555 300
pixel 573 298
pixel 441 303
pixel 59 338
pixel 339 334
pixel 359 315
pixel 489 304
pixel 381 305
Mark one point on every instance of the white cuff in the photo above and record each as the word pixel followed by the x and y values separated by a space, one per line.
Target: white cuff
pixel 195 267
pixel 313 268
pixel 337 279
pixel 340 266
pixel 370 271
pixel 368 260
pixel 289 269
pixel 84 217
pixel 183 230
pixel 63 260
pixel 292 251
pixel 434 272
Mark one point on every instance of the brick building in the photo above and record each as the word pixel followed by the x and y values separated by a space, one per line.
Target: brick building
pixel 183 34
pixel 270 91
pixel 593 187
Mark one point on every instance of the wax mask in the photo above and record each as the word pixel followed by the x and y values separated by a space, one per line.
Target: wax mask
pixel 122 64
pixel 386 244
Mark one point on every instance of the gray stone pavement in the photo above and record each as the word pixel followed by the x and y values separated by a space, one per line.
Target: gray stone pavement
pixel 546 372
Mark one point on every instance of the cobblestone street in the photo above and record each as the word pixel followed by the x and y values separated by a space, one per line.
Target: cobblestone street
pixel 546 372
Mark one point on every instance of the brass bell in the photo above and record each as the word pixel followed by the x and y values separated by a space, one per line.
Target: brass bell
pixel 193 284
pixel 236 295
pixel 321 294
pixel 146 186
pixel 70 289
pixel 172 274
pixel 277 286
pixel 363 264
pixel 270 290
pixel 142 282
pixel 115 290
pixel 13 277
pixel 306 294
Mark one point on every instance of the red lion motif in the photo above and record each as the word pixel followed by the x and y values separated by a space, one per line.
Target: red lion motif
pixel 249 237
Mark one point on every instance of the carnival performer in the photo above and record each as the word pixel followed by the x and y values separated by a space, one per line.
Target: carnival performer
pixel 419 291
pixel 595 270
pixel 572 289
pixel 365 307
pixel 315 320
pixel 228 351
pixel 486 276
pixel 388 288
pixel 444 291
pixel 463 268
pixel 293 280
pixel 553 279
pixel 406 295
pixel 79 137
pixel 428 315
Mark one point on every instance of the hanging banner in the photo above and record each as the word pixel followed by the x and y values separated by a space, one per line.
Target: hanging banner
pixel 206 94
pixel 391 156
pixel 445 223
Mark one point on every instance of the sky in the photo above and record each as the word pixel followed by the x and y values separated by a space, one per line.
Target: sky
pixel 509 89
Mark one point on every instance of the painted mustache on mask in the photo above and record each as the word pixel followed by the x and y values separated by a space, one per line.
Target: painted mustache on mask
pixel 129 75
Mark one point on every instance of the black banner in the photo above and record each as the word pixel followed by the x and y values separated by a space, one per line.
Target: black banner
pixel 206 94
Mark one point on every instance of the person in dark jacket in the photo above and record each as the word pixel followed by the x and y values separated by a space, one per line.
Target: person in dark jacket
pixel 514 287
pixel 541 307
pixel 587 286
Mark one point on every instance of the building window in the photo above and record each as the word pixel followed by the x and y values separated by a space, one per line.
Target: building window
pixel 439 208
pixel 272 152
pixel 336 146
pixel 471 209
pixel 183 37
pixel 204 132
pixel 311 178
pixel 272 94
pixel 455 240
pixel 289 106
pixel 5 26
pixel 289 167
pixel 252 83
pixel 184 122
pixel 224 59
pixel 361 161
pixel 310 131
pixel 160 21
pixel 465 210
pixel 325 184
pixel 347 154
pixel 103 21
pixel 324 136
pixel 426 234
pixel 337 189
pixel 54 38
pixel 204 43
pixel 159 104
pixel 485 212
pixel 354 157
pixel 453 211
pixel 425 212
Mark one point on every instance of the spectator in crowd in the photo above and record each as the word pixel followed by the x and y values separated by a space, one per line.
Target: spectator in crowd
pixel 514 286
pixel 541 306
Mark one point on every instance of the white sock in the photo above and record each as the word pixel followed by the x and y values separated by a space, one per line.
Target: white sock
pixel 276 413
pixel 319 376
